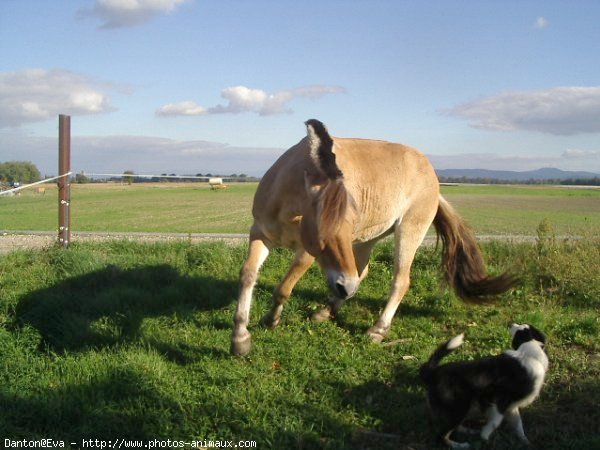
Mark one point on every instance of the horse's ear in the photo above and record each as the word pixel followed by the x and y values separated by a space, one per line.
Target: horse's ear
pixel 315 129
pixel 321 149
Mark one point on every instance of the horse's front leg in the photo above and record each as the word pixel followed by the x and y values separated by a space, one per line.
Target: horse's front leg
pixel 240 337
pixel 282 292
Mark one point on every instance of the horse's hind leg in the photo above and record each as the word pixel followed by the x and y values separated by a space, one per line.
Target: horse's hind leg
pixel 407 237
pixel 258 252
pixel 282 292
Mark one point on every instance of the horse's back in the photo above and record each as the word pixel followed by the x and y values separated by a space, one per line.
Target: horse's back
pixel 378 163
pixel 382 177
pixel 385 180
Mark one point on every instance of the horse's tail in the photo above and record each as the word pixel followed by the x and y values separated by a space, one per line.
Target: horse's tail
pixel 426 370
pixel 462 260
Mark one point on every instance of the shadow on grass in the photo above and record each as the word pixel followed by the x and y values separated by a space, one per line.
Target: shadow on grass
pixel 106 407
pixel 395 407
pixel 361 312
pixel 106 308
pixel 566 415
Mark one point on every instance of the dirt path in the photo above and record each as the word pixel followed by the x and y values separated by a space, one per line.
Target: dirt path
pixel 15 240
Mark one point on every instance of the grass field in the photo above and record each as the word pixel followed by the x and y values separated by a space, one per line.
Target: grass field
pixel 128 340
pixel 194 208
pixel 519 209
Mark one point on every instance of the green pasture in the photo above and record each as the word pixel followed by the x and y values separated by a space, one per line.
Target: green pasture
pixel 509 210
pixel 177 208
pixel 129 340
pixel 194 208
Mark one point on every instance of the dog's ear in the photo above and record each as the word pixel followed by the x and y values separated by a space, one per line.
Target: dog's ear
pixel 537 335
pixel 525 333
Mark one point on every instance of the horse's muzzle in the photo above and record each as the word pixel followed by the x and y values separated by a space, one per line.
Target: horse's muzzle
pixel 341 285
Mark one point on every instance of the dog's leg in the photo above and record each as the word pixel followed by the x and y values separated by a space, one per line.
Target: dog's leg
pixel 467 430
pixel 453 444
pixel 494 420
pixel 513 418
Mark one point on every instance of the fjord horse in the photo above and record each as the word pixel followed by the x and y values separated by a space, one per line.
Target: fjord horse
pixel 332 199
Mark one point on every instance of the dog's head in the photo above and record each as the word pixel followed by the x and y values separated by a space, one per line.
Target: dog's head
pixel 525 333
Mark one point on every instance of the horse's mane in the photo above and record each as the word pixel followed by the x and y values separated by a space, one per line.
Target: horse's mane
pixel 334 206
pixel 334 203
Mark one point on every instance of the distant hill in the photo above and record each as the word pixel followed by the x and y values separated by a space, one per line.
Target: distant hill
pixel 547 173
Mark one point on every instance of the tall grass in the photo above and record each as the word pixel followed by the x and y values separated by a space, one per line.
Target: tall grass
pixel 125 339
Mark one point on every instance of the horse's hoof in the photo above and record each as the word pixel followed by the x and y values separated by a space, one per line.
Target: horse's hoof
pixel 377 334
pixel 321 316
pixel 268 322
pixel 240 346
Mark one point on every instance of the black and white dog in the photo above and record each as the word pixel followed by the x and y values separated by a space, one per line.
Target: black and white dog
pixel 497 386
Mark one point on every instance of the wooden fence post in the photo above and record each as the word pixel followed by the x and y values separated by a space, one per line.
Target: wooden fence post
pixel 64 187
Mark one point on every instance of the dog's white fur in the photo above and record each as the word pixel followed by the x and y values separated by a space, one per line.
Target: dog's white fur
pixel 499 385
pixel 532 356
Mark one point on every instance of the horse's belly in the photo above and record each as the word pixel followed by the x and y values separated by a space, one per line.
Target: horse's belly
pixel 373 231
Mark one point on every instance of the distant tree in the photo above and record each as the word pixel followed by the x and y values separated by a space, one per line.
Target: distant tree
pixel 582 181
pixel 19 171
pixel 531 181
pixel 80 178
pixel 128 180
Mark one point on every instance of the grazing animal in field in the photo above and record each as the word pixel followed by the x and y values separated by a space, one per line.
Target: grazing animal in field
pixel 332 199
pixel 497 386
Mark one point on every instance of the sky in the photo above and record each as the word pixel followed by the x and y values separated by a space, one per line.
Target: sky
pixel 225 86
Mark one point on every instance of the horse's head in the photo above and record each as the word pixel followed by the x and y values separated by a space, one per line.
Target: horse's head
pixel 329 215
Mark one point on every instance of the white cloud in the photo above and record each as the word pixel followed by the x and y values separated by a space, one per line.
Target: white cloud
pixel 574 153
pixel 187 108
pixel 34 95
pixel 127 13
pixel 558 111
pixel 142 154
pixel 541 22
pixel 156 155
pixel 243 99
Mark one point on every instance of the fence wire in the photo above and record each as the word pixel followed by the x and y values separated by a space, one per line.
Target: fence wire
pixel 47 180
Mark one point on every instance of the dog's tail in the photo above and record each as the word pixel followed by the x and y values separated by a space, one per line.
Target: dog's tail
pixel 441 352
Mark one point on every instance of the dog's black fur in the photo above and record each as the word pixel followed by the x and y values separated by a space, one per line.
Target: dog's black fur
pixel 498 385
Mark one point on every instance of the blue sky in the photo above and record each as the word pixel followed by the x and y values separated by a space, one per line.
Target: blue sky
pixel 197 86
